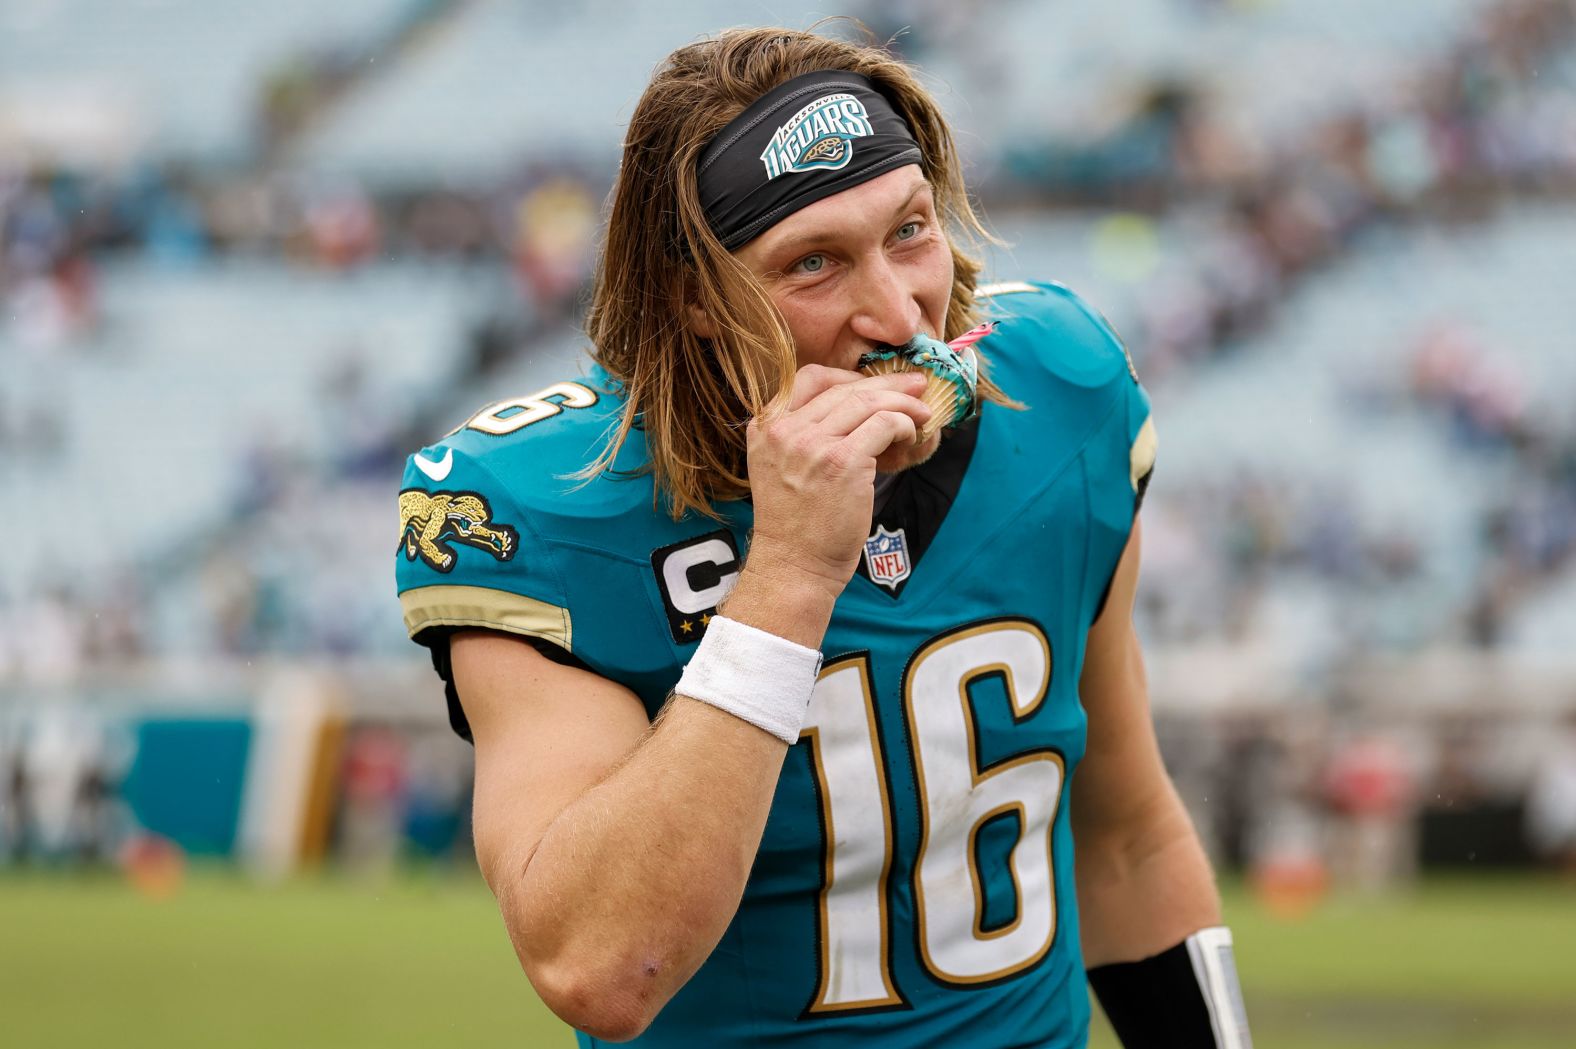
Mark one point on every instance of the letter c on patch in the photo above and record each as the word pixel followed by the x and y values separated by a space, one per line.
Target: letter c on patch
pixel 675 574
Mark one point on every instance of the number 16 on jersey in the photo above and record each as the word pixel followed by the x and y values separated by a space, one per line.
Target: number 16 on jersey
pixel 957 798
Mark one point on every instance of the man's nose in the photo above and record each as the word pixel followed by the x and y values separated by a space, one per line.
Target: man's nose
pixel 886 311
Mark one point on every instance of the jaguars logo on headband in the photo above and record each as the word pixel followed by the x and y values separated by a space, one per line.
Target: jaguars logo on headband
pixel 430 521
pixel 820 137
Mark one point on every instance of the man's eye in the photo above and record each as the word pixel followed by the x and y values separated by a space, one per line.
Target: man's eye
pixel 908 231
pixel 810 264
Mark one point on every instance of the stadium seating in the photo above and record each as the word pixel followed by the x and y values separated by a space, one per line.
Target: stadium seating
pixel 188 75
pixel 234 386
pixel 196 373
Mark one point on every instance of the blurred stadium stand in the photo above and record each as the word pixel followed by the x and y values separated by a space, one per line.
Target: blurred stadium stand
pixel 250 258
pixel 180 77
pixel 508 84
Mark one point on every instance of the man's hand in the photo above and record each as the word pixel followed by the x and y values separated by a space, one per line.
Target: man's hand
pixel 813 468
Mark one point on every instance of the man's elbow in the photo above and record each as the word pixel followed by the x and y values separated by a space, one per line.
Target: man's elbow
pixel 1113 844
pixel 610 976
pixel 614 1009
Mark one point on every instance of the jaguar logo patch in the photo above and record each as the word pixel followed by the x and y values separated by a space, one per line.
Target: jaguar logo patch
pixel 820 137
pixel 430 521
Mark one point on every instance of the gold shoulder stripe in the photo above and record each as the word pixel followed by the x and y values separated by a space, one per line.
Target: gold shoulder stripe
pixel 1004 287
pixel 1145 447
pixel 479 606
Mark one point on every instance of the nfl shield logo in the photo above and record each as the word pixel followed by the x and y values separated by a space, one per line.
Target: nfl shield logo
pixel 886 557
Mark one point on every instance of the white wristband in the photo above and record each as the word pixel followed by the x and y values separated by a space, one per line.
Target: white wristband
pixel 754 675
pixel 1215 968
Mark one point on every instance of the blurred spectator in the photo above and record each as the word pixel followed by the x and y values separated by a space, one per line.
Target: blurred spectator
pixel 437 798
pixel 13 801
pixel 342 227
pixel 67 787
pixel 555 224
pixel 51 638
pixel 1370 787
pixel 370 817
pixel 1551 801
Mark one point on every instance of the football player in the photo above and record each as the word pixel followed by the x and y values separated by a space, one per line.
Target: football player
pixel 792 685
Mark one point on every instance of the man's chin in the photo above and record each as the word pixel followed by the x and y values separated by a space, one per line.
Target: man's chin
pixel 903 456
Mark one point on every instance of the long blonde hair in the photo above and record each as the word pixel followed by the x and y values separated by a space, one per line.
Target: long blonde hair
pixel 692 396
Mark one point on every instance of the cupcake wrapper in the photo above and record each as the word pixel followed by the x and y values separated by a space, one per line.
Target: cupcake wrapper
pixel 951 373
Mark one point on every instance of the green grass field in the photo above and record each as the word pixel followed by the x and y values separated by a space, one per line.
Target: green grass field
pixel 85 963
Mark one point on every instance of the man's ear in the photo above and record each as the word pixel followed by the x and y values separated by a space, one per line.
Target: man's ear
pixel 700 322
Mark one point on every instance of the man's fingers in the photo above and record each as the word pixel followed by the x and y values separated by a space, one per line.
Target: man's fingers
pixel 880 432
pixel 813 381
pixel 850 411
pixel 864 390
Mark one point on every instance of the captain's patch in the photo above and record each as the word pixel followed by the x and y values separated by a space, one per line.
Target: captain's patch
pixel 430 521
pixel 694 576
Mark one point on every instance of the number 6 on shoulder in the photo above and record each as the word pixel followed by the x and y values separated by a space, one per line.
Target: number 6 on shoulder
pixel 505 417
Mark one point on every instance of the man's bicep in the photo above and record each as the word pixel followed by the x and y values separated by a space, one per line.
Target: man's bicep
pixel 1122 771
pixel 1116 610
pixel 545 733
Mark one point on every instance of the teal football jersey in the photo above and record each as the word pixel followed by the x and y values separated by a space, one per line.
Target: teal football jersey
pixel 914 886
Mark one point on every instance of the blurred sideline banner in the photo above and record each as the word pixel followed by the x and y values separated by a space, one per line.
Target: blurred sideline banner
pixel 1369 769
pixel 186 780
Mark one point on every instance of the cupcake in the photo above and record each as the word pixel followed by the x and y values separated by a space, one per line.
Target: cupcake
pixel 952 371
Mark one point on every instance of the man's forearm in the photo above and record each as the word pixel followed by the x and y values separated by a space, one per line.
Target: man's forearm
pixel 1142 892
pixel 632 885
pixel 1160 962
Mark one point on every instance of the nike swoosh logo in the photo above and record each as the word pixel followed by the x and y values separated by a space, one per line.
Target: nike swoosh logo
pixel 435 470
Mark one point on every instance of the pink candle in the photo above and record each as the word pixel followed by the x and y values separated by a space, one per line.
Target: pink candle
pixel 973 335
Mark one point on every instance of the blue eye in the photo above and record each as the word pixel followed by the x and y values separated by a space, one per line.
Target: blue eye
pixel 811 264
pixel 908 231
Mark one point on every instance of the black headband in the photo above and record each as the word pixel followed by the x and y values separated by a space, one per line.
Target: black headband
pixel 816 135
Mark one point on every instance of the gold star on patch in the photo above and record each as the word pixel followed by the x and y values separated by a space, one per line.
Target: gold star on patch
pixel 685 626
pixel 705 619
